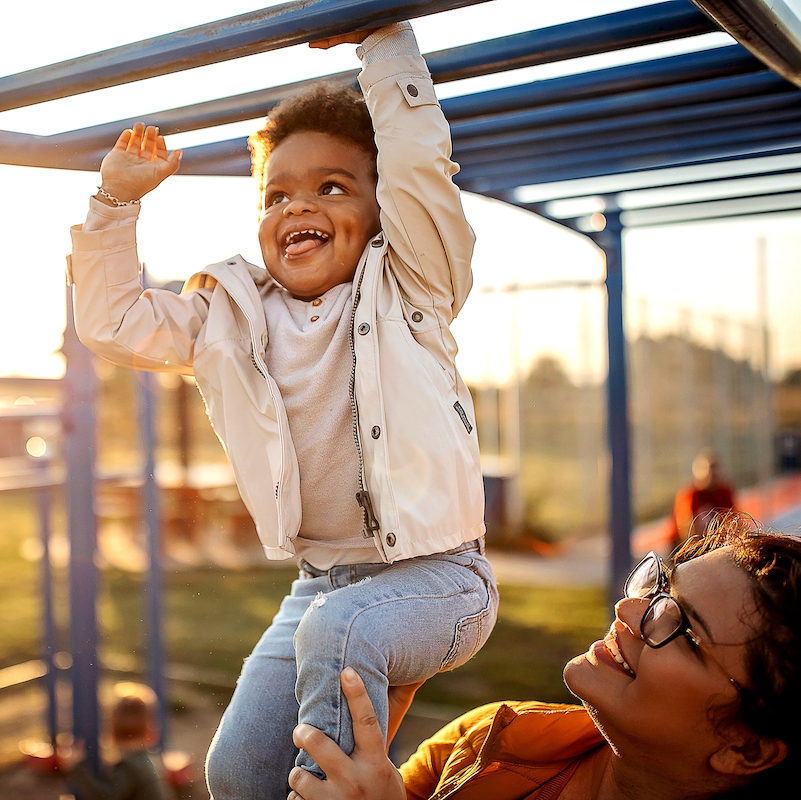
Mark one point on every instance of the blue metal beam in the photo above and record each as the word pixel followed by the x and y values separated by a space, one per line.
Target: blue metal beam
pixel 651 126
pixel 685 68
pixel 664 106
pixel 641 84
pixel 636 27
pixel 756 84
pixel 256 32
pixel 550 168
pixel 647 25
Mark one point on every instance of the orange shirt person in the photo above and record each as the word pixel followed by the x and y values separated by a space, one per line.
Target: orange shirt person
pixel 696 504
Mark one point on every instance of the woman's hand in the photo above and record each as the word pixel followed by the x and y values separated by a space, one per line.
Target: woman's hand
pixel 366 774
pixel 138 163
pixel 356 37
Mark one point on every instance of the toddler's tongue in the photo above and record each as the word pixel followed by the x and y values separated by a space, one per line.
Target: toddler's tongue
pixel 302 247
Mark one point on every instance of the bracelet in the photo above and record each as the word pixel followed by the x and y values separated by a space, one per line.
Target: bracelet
pixel 116 201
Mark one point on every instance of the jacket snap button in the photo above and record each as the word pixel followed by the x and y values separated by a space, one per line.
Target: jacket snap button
pixel 377 242
pixel 230 263
pixel 376 432
pixel 391 539
pixel 417 316
pixel 412 90
pixel 363 328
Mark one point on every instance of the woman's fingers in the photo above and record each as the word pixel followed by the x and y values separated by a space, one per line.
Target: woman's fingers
pixel 367 733
pixel 305 786
pixel 366 773
pixel 323 750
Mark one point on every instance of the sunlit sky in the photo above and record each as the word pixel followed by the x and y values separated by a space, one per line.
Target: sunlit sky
pixel 192 221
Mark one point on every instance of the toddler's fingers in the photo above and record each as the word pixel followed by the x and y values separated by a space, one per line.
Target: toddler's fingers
pixel 123 139
pixel 174 159
pixel 135 139
pixel 150 142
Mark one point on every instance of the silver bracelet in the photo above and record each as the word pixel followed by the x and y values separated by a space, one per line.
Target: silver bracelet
pixel 116 201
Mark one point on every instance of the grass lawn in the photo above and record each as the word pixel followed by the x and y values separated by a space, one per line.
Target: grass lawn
pixel 212 619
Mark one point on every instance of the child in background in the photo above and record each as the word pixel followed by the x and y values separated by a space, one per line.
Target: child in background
pixel 330 379
pixel 138 775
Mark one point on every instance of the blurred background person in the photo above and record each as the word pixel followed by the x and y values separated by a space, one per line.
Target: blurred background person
pixel 697 503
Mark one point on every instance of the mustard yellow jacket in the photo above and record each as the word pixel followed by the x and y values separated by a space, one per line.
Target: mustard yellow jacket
pixel 502 751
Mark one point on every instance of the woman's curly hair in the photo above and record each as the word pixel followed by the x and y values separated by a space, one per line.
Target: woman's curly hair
pixel 332 108
pixel 771 704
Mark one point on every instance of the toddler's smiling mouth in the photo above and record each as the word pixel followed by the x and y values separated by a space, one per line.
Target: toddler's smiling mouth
pixel 302 242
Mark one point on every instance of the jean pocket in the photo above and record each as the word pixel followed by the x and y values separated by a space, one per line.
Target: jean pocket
pixel 472 632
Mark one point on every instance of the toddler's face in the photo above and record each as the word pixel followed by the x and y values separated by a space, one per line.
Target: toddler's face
pixel 319 212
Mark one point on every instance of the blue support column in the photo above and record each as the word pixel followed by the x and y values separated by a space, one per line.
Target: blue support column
pixel 153 590
pixel 620 516
pixel 79 402
pixel 43 503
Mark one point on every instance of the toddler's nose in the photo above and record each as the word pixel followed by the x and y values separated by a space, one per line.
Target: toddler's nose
pixel 299 205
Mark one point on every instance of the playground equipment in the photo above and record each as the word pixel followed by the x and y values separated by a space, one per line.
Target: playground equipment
pixel 656 123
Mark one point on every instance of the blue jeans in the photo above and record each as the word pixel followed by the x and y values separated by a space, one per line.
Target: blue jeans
pixel 393 623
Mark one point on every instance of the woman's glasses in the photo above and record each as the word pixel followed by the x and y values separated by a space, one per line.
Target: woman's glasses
pixel 664 620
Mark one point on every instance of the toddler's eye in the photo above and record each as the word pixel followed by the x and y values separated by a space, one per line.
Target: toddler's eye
pixel 332 188
pixel 275 199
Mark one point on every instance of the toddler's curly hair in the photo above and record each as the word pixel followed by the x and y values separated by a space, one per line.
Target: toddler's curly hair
pixel 333 108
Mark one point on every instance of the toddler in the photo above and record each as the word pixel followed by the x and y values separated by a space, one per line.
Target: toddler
pixel 138 775
pixel 329 377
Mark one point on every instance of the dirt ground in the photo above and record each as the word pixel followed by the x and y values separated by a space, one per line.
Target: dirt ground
pixel 191 727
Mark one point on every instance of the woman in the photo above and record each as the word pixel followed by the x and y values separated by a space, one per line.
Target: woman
pixel 694 693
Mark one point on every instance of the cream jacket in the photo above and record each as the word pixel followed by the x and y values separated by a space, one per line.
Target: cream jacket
pixel 415 428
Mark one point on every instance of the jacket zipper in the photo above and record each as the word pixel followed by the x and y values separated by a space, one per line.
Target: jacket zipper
pixel 371 526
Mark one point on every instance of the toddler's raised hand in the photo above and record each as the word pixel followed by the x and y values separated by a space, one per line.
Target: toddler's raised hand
pixel 355 37
pixel 138 163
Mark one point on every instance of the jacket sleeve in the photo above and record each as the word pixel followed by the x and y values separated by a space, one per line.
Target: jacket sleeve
pixel 430 241
pixel 153 329
pixel 448 751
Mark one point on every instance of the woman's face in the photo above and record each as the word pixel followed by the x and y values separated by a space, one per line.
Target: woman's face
pixel 658 704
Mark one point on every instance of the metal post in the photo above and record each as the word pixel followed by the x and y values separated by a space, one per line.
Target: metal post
pixel 611 241
pixel 79 408
pixel 155 645
pixel 765 420
pixel 153 589
pixel 43 503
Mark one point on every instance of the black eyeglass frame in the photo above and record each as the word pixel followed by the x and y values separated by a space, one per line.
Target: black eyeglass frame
pixel 660 593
